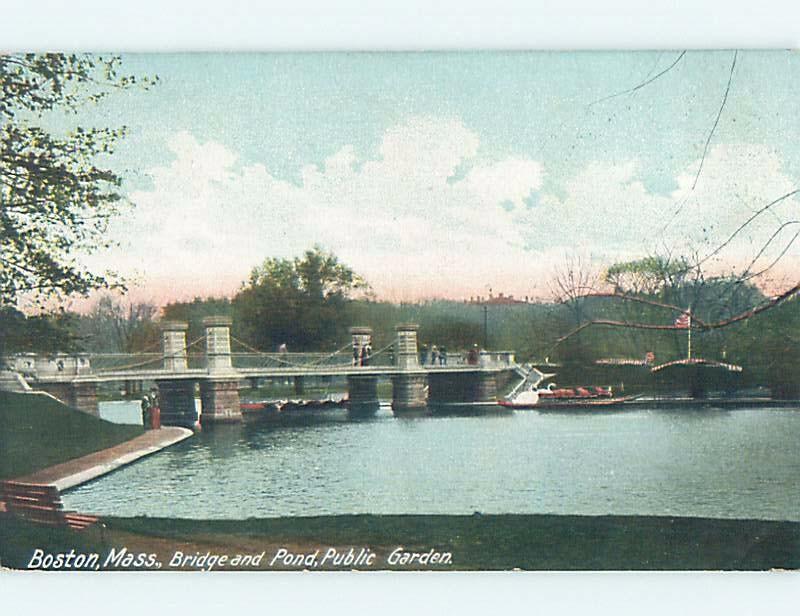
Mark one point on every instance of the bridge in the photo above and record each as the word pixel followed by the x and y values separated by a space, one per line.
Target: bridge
pixel 178 370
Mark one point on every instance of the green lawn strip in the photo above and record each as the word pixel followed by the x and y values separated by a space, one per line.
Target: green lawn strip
pixel 19 539
pixel 37 432
pixel 543 542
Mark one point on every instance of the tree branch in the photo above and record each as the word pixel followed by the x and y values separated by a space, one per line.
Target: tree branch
pixel 646 82
pixel 716 121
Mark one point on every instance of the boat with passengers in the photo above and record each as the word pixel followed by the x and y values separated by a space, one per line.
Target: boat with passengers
pixel 530 394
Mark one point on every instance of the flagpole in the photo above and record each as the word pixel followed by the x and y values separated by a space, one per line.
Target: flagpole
pixel 689 312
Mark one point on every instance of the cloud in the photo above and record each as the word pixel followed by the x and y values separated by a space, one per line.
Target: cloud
pixel 429 215
pixel 404 219
pixel 608 212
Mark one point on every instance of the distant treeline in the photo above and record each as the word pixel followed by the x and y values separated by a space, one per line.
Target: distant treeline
pixel 309 303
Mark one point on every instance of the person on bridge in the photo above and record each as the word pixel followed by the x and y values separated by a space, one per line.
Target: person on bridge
pixel 442 356
pixel 434 355
pixel 366 354
pixel 423 354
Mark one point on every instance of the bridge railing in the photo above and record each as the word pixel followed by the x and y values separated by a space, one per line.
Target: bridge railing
pixel 286 360
pixel 483 359
pixel 34 366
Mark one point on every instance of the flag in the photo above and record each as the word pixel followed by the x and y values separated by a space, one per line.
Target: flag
pixel 682 322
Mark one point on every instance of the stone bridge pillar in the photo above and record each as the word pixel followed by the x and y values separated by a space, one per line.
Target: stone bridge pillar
pixel 173 345
pixel 177 403
pixel 80 395
pixel 218 344
pixel 462 387
pixel 362 336
pixel 362 391
pixel 219 392
pixel 84 397
pixel 408 387
pixel 175 396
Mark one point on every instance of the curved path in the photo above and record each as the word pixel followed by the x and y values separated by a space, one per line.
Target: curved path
pixel 80 470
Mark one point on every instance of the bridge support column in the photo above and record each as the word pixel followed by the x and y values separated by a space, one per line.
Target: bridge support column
pixel 362 392
pixel 408 387
pixel 173 345
pixel 80 396
pixel 466 387
pixel 133 389
pixel 84 398
pixel 408 393
pixel 176 401
pixel 219 393
pixel 220 401
pixel 362 336
pixel 484 387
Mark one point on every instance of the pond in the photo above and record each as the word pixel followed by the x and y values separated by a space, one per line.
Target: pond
pixel 742 463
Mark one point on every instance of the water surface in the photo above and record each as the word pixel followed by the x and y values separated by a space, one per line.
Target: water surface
pixel 741 463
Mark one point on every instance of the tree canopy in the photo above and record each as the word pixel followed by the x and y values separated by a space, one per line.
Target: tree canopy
pixel 56 199
pixel 298 301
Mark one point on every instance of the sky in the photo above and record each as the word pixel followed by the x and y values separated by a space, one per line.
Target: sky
pixel 448 174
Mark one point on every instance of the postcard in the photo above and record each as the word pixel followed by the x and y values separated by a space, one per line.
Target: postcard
pixel 435 311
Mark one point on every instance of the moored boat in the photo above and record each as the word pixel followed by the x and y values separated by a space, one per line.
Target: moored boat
pixel 529 395
pixel 281 411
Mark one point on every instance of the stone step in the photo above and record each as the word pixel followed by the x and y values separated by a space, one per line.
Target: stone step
pixel 13 381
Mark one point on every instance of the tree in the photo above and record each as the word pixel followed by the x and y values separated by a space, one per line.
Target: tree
pixel 648 294
pixel 55 199
pixel 120 327
pixel 570 285
pixel 649 275
pixel 45 333
pixel 299 302
pixel 193 312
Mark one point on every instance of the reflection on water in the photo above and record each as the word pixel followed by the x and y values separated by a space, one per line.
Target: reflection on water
pixel 743 463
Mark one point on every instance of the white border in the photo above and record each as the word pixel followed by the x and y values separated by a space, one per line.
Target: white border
pixel 152 25
pixel 247 25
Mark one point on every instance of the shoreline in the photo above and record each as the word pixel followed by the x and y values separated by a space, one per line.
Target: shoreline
pixel 86 468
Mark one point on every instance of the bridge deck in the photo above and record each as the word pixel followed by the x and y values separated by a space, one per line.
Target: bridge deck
pixel 266 372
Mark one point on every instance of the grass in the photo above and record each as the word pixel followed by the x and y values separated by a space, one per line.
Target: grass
pixel 478 542
pixel 37 431
pixel 544 542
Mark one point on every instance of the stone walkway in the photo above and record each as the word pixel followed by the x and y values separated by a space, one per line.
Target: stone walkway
pixel 80 470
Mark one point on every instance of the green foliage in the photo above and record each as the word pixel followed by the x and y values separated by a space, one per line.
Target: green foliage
pixel 195 311
pixel 300 302
pixel 45 333
pixel 55 200
pixel 647 275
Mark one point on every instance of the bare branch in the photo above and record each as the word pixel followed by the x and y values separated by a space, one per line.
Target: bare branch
pixel 642 300
pixel 716 121
pixel 695 323
pixel 646 82
pixel 741 227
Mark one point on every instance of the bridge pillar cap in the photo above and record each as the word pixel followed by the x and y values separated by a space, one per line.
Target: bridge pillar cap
pixel 217 321
pixel 359 329
pixel 407 327
pixel 173 326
